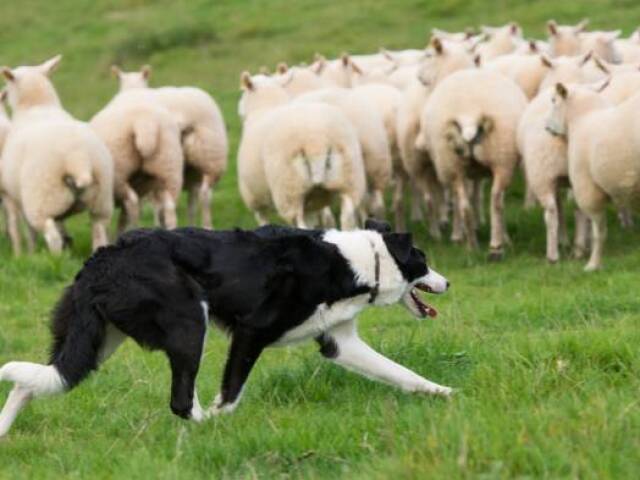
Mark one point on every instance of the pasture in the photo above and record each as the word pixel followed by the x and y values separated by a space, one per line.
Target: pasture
pixel 545 358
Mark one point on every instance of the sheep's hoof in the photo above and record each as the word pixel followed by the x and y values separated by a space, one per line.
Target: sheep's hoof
pixel 67 241
pixel 496 254
pixel 592 267
pixel 578 253
pixel 552 260
pixel 456 239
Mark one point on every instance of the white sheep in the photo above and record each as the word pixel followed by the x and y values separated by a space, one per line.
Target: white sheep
pixel 52 165
pixel 298 80
pixel 544 156
pixel 629 48
pixel 499 41
pixel 297 157
pixel 442 59
pixel 144 141
pixel 202 132
pixel 564 40
pixel 469 125
pixel 369 125
pixel 526 70
pixel 603 150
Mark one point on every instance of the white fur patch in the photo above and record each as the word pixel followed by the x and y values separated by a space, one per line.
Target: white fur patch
pixel 38 379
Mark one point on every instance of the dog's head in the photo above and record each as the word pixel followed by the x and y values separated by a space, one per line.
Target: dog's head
pixel 412 264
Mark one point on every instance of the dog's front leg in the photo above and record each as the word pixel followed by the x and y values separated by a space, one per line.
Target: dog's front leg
pixel 343 345
pixel 244 351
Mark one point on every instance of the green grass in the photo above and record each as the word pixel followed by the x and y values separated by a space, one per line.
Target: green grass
pixel 545 358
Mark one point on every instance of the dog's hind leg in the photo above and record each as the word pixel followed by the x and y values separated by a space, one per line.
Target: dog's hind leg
pixel 184 348
pixel 244 351
pixel 343 345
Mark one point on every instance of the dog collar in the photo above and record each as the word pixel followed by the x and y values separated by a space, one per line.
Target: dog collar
pixel 375 290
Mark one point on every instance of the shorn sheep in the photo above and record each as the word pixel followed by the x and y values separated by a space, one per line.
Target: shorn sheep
pixel 144 141
pixel 469 126
pixel 604 147
pixel 297 157
pixel 52 165
pixel 202 133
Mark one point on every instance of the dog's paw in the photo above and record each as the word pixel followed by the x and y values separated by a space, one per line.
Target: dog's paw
pixel 219 407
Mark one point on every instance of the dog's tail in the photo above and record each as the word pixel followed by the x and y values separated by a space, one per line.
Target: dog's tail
pixel 79 332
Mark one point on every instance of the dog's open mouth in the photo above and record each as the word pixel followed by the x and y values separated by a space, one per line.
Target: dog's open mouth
pixel 418 306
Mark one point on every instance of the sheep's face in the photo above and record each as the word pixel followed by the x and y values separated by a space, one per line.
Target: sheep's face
pixel 132 80
pixel 29 85
pixel 441 59
pixel 557 121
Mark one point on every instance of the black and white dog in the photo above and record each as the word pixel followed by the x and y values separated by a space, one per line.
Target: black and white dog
pixel 269 287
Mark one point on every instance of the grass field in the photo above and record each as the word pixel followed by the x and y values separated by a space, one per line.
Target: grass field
pixel 545 358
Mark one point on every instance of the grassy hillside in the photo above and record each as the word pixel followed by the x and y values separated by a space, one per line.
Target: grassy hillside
pixel 545 357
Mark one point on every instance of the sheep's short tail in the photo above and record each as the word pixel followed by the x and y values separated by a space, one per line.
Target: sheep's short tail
pixel 320 168
pixel 146 131
pixel 79 335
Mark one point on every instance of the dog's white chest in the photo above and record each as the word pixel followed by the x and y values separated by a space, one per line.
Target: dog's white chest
pixel 323 319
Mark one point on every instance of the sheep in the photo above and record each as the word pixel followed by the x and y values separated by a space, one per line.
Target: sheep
pixel 564 40
pixel 338 73
pixel 469 126
pixel 298 80
pixel 629 48
pixel 52 165
pixel 370 128
pixel 5 123
pixel 202 132
pixel 144 141
pixel 499 41
pixel 574 40
pixel 602 161
pixel 442 59
pixel 544 156
pixel 527 71
pixel 296 156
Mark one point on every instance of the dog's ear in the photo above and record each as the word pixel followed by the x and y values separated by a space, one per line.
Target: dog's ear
pixel 399 246
pixel 377 225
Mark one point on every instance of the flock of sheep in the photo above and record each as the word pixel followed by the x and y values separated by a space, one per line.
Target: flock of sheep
pixel 437 122
pixel 444 120
pixel 146 143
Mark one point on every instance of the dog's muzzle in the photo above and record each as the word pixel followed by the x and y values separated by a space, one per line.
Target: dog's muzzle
pixel 432 282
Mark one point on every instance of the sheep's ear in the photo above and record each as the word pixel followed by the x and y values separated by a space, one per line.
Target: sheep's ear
pixel 387 55
pixel 245 81
pixel 355 67
pixel 600 64
pixel 115 71
pixel 8 74
pixel 146 71
pixel 514 29
pixel 585 58
pixel 344 58
pixel 50 65
pixel 282 68
pixel 602 85
pixel 562 91
pixel 436 43
pixel 546 61
pixel 582 26
pixel 319 63
pixel 533 46
pixel 469 33
pixel 552 28
pixel 477 60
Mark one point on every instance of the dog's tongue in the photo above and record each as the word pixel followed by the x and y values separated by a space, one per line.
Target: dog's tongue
pixel 432 312
pixel 425 308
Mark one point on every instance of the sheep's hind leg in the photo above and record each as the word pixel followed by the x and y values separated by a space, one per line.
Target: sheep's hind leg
pixel 347 213
pixel 131 206
pixel 99 237
pixel 13 215
pixel 498 224
pixel 204 197
pixel 170 220
pixel 551 219
pixel 52 235
pixel 466 214
pixel 599 231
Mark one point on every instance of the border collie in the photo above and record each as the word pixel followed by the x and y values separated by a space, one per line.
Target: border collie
pixel 269 287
